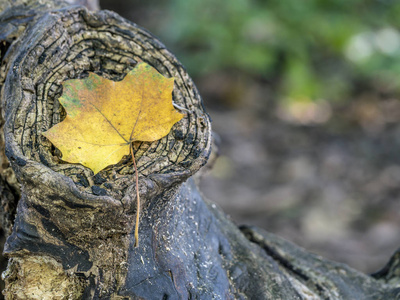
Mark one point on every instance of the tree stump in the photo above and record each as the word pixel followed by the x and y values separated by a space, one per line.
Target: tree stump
pixel 73 233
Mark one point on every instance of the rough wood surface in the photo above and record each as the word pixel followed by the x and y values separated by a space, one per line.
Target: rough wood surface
pixel 73 233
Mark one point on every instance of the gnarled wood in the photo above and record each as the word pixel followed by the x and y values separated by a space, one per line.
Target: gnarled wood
pixel 76 229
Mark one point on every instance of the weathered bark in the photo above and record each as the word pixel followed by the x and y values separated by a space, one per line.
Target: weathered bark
pixel 73 233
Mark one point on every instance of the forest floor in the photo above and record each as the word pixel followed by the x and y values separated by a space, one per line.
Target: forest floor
pixel 325 176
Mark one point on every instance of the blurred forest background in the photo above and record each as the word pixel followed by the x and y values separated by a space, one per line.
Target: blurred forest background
pixel 305 98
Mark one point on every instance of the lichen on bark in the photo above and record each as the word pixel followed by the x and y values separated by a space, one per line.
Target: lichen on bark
pixel 40 278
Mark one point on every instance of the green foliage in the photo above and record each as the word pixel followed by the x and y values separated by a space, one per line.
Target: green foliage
pixel 314 48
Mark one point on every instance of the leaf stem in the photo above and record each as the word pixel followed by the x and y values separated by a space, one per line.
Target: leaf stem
pixel 137 199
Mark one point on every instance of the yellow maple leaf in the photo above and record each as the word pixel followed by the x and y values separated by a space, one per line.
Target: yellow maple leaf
pixel 104 117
